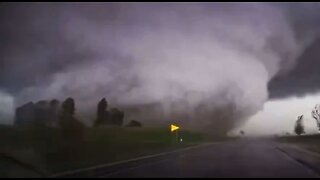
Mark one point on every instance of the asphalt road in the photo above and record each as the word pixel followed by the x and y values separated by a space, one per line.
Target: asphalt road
pixel 243 159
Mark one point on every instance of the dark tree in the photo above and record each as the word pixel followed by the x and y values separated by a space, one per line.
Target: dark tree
pixel 72 130
pixel 68 107
pixel 54 112
pixel 299 128
pixel 316 115
pixel 116 117
pixel 54 103
pixel 102 115
pixel 242 132
pixel 41 112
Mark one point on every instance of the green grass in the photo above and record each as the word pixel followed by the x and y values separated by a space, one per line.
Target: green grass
pixel 42 147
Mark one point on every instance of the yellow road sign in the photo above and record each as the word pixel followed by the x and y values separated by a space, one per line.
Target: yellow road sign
pixel 174 127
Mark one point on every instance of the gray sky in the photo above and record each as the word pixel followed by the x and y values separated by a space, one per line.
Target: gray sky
pixel 203 63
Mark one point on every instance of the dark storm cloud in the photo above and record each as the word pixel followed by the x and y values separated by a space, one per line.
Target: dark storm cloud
pixel 204 63
pixel 303 79
pixel 33 46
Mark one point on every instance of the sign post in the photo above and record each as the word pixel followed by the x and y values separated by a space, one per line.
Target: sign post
pixel 174 130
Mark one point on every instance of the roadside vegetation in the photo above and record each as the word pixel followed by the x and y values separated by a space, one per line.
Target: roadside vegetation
pixel 47 138
pixel 310 142
pixel 46 150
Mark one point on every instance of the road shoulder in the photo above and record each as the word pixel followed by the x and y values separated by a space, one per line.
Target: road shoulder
pixel 308 159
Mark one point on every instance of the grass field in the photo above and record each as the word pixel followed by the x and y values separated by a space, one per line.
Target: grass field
pixel 309 142
pixel 42 148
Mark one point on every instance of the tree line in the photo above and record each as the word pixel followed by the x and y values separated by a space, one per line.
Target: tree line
pixel 299 127
pixel 52 114
pixel 72 132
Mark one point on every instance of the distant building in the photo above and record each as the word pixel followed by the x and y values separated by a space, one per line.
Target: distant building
pixel 43 112
pixel 25 114
pixel 54 112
